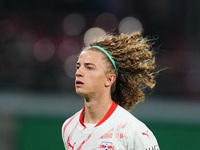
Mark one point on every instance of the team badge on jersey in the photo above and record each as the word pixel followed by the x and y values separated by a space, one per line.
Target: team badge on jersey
pixel 106 146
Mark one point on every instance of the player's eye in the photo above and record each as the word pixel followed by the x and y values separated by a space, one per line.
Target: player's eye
pixel 77 67
pixel 89 68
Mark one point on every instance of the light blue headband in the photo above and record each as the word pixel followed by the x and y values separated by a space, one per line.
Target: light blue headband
pixel 109 56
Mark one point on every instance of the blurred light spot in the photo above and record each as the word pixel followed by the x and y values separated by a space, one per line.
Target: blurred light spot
pixel 93 33
pixel 129 25
pixel 44 50
pixel 67 48
pixel 73 24
pixel 70 65
pixel 106 21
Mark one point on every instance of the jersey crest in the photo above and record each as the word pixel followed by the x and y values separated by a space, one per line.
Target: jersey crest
pixel 106 146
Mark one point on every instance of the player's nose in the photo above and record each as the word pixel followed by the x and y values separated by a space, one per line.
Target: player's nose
pixel 79 72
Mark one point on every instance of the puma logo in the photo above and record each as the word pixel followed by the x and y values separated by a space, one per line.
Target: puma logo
pixel 146 134
pixel 72 146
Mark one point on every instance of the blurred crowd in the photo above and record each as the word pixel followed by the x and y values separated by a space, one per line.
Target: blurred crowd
pixel 40 40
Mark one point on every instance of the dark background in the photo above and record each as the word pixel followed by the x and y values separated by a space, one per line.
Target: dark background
pixel 39 44
pixel 23 24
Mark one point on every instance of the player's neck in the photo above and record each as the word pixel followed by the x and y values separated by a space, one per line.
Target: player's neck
pixel 96 108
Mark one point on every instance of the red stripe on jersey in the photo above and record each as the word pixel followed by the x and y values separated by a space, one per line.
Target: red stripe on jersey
pixel 108 135
pixel 70 120
pixel 81 117
pixel 71 134
pixel 80 147
pixel 109 113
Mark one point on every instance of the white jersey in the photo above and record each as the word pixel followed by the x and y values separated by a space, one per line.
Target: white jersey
pixel 118 130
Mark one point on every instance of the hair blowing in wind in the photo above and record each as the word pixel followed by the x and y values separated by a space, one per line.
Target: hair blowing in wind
pixel 134 59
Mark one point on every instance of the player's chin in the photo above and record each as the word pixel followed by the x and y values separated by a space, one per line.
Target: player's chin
pixel 79 91
pixel 82 93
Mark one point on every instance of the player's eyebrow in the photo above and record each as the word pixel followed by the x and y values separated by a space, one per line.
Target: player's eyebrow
pixel 86 64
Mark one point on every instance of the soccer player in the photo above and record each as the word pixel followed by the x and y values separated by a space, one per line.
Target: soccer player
pixel 111 75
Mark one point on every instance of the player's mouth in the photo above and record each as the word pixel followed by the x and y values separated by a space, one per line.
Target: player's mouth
pixel 79 83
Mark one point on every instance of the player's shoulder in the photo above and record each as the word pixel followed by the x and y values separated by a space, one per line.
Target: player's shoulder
pixel 71 119
pixel 136 129
pixel 125 116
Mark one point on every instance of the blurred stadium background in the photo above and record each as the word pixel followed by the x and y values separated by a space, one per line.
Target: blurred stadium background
pixel 39 43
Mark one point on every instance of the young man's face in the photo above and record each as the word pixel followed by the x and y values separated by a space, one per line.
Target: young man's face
pixel 91 73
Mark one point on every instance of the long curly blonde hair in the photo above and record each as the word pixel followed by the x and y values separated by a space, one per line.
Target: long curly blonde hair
pixel 135 62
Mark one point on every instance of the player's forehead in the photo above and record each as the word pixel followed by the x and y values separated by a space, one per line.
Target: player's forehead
pixel 91 56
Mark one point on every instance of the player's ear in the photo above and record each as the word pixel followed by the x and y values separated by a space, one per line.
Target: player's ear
pixel 110 79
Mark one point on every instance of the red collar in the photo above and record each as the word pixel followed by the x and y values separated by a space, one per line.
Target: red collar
pixel 108 114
